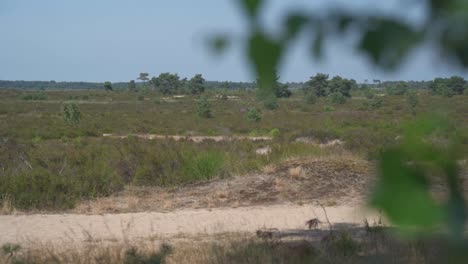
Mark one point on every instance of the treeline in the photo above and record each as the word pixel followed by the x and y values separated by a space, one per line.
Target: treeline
pixel 53 85
pixel 322 84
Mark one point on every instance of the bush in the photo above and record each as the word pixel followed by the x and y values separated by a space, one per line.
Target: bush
pixel 369 94
pixel 204 107
pixel 310 98
pixel 71 113
pixel 254 115
pixel 398 89
pixel 35 96
pixel 412 100
pixel 328 108
pixel 274 133
pixel 205 166
pixel 337 98
pixel 270 103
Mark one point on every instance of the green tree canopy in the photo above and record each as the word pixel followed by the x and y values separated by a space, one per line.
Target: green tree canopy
pixel 108 86
pixel 167 83
pixel 196 85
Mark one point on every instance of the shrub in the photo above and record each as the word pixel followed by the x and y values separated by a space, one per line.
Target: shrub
pixel 310 98
pixel 329 108
pixel 71 113
pixel 376 102
pixel 254 115
pixel 35 96
pixel 412 100
pixel 369 94
pixel 337 98
pixel 398 89
pixel 270 103
pixel 204 107
pixel 205 166
pixel 274 133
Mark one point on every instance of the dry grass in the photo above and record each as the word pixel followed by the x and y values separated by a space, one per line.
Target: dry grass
pixel 373 244
pixel 340 179
pixel 6 206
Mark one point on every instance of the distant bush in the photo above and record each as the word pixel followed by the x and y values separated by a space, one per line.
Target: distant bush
pixel 369 94
pixel 329 108
pixel 270 103
pixel 274 133
pixel 337 98
pixel 38 96
pixel 398 89
pixel 71 113
pixel 204 107
pixel 254 115
pixel 412 100
pixel 310 98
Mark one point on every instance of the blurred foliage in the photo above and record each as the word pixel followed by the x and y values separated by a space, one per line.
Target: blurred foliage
pixel 428 147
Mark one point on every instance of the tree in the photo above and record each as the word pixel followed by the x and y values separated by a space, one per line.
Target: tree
pixel 132 86
pixel 144 77
pixel 108 86
pixel 318 85
pixel 457 84
pixel 280 90
pixel 204 107
pixel 196 85
pixel 341 85
pixel 167 83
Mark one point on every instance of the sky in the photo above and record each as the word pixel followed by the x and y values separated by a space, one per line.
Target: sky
pixel 115 40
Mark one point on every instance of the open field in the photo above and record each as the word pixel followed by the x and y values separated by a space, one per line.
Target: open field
pixel 142 171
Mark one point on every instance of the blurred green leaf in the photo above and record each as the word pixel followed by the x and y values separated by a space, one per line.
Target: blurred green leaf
pixel 402 193
pixel 317 45
pixel 219 43
pixel 251 7
pixel 265 54
pixel 387 42
pixel 294 24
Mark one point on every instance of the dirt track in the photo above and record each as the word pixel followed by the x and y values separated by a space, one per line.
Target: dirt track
pixel 116 227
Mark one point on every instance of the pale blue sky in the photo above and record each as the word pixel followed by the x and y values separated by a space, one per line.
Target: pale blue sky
pixel 99 40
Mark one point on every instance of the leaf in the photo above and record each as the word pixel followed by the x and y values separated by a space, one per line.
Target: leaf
pixel 251 7
pixel 294 24
pixel 265 54
pixel 317 45
pixel 219 43
pixel 402 193
pixel 387 42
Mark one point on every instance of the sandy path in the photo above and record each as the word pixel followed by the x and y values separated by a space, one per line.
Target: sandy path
pixel 115 227
pixel 196 139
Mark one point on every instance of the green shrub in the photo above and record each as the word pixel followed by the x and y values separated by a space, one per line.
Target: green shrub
pixel 310 98
pixel 37 96
pixel 204 107
pixel 369 94
pixel 328 108
pixel 337 98
pixel 274 133
pixel 270 103
pixel 412 100
pixel 205 166
pixel 71 113
pixel 254 115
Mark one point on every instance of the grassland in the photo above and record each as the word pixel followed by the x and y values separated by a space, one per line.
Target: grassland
pixel 47 164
